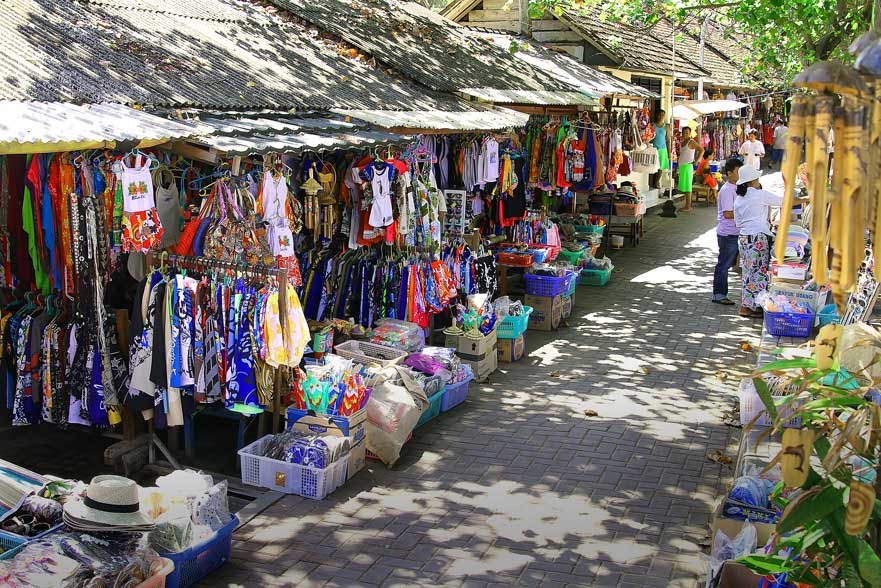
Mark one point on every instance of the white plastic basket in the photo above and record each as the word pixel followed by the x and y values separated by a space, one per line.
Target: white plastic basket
pixel 751 404
pixel 289 478
pixel 369 353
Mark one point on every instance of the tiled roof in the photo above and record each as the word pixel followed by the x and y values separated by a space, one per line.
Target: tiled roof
pixel 44 123
pixel 423 45
pixel 632 48
pixel 563 67
pixel 202 53
pixel 721 70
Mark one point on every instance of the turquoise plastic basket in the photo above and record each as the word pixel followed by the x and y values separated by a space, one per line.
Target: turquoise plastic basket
pixel 595 277
pixel 434 408
pixel 512 327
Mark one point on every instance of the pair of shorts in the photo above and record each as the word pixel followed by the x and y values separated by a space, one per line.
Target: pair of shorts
pixel 686 177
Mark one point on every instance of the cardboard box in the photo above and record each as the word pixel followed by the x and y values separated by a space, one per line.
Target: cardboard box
pixel 511 350
pixel 732 527
pixel 473 349
pixel 789 271
pixel 566 306
pixel 735 575
pixel 353 426
pixel 483 368
pixel 547 312
pixel 812 298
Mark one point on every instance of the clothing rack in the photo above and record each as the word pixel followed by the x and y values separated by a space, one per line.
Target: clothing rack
pixel 206 263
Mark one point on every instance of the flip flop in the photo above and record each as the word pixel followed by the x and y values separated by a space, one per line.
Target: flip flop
pixel 724 301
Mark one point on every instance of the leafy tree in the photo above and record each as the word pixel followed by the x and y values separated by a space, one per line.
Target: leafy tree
pixel 783 35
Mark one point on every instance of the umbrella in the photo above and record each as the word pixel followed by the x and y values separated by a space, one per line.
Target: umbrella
pixel 691 109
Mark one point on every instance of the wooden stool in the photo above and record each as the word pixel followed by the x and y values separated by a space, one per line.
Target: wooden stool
pixel 705 193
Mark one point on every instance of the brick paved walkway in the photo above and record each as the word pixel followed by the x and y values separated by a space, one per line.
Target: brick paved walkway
pixel 517 486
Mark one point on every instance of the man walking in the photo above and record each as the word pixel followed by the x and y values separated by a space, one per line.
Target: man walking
pixel 780 132
pixel 726 233
pixel 689 153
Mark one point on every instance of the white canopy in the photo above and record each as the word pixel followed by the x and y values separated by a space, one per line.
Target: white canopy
pixel 692 109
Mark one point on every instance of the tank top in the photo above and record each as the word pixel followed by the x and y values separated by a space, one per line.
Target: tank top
pixel 686 155
pixel 660 140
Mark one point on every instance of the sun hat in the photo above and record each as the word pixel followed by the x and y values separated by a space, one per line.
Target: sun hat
pixel 110 501
pixel 748 173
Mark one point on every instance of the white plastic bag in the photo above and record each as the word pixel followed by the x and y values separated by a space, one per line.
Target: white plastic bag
pixel 394 408
pixel 726 548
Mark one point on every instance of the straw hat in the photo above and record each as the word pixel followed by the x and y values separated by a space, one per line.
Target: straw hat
pixel 748 173
pixel 110 501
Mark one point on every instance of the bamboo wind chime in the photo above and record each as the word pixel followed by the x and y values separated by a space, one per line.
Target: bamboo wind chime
pixel 843 103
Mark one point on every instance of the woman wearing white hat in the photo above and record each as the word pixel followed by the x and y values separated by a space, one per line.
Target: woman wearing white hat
pixel 751 211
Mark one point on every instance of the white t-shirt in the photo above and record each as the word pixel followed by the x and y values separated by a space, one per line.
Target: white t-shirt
pixel 751 211
pixel 780 137
pixel 381 211
pixel 489 161
pixel 752 152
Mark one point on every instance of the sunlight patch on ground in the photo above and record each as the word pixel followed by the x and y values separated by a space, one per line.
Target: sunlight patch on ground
pixel 667 274
pixel 705 241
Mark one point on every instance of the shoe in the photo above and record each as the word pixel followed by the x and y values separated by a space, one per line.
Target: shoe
pixel 745 312
pixel 724 301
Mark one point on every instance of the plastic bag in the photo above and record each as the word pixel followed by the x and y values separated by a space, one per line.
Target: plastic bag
pixel 725 548
pixel 398 334
pixel 392 412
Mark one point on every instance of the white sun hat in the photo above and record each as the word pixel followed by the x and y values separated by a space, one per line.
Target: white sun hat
pixel 110 501
pixel 747 173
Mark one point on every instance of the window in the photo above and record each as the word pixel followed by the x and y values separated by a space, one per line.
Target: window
pixel 651 84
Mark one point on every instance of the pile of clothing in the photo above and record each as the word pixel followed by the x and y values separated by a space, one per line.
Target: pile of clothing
pixel 307 449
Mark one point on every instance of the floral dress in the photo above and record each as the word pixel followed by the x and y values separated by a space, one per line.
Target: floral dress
pixel 755 259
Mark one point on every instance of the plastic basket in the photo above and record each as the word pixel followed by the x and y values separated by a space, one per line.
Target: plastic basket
pixel 789 324
pixel 751 405
pixel 434 408
pixel 629 209
pixel 549 286
pixel 455 394
pixel 368 353
pixel 590 229
pixel 11 544
pixel 596 277
pixel 289 478
pixel 512 327
pixel 196 562
pixel 828 318
pixel 515 259
pixel 539 255
pixel 572 257
pixel 551 251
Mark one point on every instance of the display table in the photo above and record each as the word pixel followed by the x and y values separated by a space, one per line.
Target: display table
pixel 502 273
pixel 631 227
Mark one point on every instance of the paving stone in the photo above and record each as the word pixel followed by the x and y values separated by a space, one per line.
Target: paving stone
pixel 517 486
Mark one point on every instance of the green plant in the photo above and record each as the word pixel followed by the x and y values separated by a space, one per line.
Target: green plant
pixel 831 521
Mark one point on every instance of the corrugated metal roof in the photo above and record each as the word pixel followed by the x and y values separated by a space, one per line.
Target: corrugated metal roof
pixel 422 44
pixel 490 119
pixel 208 54
pixel 633 48
pixel 532 97
pixel 563 67
pixel 258 133
pixel 58 122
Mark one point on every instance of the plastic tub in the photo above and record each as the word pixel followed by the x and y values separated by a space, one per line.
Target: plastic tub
pixel 570 256
pixel 455 394
pixel 367 353
pixel 434 408
pixel 289 478
pixel 596 277
pixel 512 327
pixel 11 544
pixel 196 562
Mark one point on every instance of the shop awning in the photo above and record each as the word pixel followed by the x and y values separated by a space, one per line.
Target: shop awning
pixel 488 119
pixel 692 109
pixel 43 127
pixel 247 134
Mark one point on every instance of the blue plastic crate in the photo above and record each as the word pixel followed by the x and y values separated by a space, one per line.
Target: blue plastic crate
pixel 193 564
pixel 548 286
pixel 455 394
pixel 434 408
pixel 11 544
pixel 789 324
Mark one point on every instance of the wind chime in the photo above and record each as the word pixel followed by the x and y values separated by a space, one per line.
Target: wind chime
pixel 846 101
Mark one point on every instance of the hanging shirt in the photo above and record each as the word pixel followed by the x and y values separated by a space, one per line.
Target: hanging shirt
pixel 380 177
pixel 489 160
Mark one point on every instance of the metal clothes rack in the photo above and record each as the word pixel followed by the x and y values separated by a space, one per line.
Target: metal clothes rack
pixel 205 264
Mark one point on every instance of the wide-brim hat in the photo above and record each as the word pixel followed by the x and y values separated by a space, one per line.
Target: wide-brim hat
pixel 747 173
pixel 109 501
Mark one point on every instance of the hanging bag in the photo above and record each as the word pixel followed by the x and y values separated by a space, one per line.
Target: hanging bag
pixel 645 158
pixel 193 235
pixel 646 126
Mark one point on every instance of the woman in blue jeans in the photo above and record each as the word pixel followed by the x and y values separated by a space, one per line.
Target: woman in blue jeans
pixel 727 233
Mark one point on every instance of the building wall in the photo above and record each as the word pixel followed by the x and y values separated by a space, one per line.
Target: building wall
pixel 502 15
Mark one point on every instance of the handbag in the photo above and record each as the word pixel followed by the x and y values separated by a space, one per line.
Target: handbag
pixel 645 158
pixel 645 124
pixel 194 230
pixel 665 181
